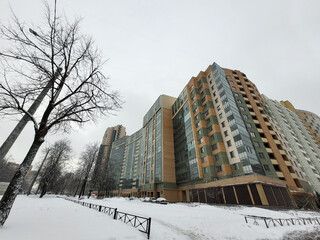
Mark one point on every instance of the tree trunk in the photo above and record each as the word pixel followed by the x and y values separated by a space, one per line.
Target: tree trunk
pixel 16 182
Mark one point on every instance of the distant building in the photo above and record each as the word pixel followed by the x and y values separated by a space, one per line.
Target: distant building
pixel 100 175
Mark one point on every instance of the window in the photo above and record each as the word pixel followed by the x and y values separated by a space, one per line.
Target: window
pixel 214 147
pixel 206 113
pixel 205 170
pixel 212 88
pixel 216 100
pixel 210 81
pixel 199 132
pixel 256 144
pixel 196 117
pixel 220 115
pixel 249 125
pixel 226 133
pixel 202 93
pixel 252 134
pixel 202 150
pixel 245 116
pixel 219 108
pixel 232 154
pixel 216 157
pixel 266 167
pixel 236 94
pixel 197 124
pixel 242 108
pixel 203 99
pixel 209 129
pixel 231 82
pixel 219 169
pixel 236 166
pixel 229 143
pixel 204 159
pixel 261 155
pixel 212 137
pixel 233 88
pixel 239 101
pixel 200 140
pixel 223 124
pixel 229 76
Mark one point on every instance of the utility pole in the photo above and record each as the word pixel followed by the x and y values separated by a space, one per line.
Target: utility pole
pixel 4 149
pixel 35 177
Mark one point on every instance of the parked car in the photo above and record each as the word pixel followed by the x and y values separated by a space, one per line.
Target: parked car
pixel 146 199
pixel 162 201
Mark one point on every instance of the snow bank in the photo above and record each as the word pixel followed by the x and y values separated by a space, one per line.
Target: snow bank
pixel 55 218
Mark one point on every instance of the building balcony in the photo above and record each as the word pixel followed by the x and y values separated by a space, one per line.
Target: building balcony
pixel 252 113
pixel 272 132
pixel 288 163
pixel 269 150
pixel 260 130
pixel 293 175
pixel 256 121
pixel 282 152
pixel 280 174
pixel 274 162
pixel 277 142
pixel 264 140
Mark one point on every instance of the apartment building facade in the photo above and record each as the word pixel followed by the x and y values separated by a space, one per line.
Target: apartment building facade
pixel 214 143
pixel 300 143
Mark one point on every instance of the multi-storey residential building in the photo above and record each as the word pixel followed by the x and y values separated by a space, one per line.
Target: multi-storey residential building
pixel 309 119
pixel 214 143
pixel 312 122
pixel 302 146
pixel 101 171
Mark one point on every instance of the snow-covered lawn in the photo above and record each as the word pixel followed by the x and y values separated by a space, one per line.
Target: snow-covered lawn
pixel 55 218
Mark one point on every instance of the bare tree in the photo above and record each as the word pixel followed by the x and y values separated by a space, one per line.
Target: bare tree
pixel 88 156
pixel 59 154
pixel 55 55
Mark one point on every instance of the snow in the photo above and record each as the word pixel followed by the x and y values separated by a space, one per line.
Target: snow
pixel 55 218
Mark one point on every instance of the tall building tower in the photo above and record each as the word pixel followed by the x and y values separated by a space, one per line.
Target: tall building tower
pixel 299 141
pixel 158 171
pixel 100 174
pixel 220 154
pixel 253 101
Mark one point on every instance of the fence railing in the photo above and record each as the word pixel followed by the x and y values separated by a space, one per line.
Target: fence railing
pixel 280 221
pixel 143 224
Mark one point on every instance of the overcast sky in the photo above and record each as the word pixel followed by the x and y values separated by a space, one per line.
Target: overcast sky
pixel 155 47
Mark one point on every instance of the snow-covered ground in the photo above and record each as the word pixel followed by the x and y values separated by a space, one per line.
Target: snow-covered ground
pixel 55 218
